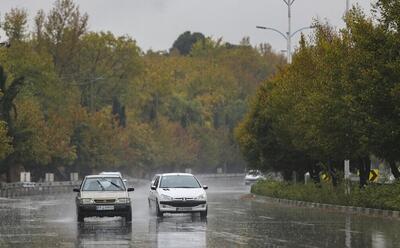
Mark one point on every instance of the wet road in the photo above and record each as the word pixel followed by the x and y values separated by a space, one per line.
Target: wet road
pixel 234 220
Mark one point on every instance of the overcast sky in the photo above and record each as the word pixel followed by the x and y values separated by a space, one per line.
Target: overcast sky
pixel 156 24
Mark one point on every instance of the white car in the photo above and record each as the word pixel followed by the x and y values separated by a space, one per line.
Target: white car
pixel 178 193
pixel 103 195
pixel 253 176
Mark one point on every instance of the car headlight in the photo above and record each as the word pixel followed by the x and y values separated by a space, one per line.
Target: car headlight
pixel 165 197
pixel 201 197
pixel 87 201
pixel 123 200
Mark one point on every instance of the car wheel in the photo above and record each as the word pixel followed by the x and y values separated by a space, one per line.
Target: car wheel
pixel 80 216
pixel 128 217
pixel 203 214
pixel 159 213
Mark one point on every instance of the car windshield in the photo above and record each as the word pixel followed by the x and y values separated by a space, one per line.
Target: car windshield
pixel 103 184
pixel 254 173
pixel 179 181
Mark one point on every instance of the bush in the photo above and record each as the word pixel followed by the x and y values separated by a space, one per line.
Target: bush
pixel 378 196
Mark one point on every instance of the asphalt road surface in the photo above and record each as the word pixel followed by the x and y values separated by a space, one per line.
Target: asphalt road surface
pixel 234 220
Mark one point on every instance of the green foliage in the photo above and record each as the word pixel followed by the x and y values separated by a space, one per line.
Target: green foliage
pixel 373 196
pixel 185 42
pixel 76 100
pixel 338 100
pixel 5 141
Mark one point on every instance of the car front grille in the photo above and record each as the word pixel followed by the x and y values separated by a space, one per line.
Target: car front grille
pixel 183 199
pixel 181 203
pixel 103 201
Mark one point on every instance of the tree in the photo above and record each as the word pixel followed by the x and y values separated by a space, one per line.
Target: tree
pixel 185 42
pixel 15 25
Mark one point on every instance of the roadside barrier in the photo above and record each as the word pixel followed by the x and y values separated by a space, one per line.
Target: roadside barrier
pixel 12 190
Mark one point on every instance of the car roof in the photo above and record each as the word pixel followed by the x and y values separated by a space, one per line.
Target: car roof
pixel 110 173
pixel 176 174
pixel 104 175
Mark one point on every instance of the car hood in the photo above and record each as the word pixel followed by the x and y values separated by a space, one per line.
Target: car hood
pixel 104 194
pixel 253 177
pixel 181 192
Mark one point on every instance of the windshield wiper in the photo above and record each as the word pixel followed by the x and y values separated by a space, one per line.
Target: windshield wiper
pixel 116 185
pixel 101 185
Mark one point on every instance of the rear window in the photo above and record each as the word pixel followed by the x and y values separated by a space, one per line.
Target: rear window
pixel 103 184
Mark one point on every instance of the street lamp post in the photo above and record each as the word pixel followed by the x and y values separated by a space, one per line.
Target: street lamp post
pixel 347 6
pixel 289 35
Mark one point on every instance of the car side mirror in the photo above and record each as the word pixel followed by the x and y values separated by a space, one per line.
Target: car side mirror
pixel 76 190
pixel 131 189
pixel 205 187
pixel 153 187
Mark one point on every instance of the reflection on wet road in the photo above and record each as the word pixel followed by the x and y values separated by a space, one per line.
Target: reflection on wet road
pixel 234 220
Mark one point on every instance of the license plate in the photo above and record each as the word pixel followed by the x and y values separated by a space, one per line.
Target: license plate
pixel 106 207
pixel 183 209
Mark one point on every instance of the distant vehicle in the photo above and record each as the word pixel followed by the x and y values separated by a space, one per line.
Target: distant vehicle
pixel 253 176
pixel 178 193
pixel 103 195
pixel 116 173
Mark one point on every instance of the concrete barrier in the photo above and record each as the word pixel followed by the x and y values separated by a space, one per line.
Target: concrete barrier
pixel 10 190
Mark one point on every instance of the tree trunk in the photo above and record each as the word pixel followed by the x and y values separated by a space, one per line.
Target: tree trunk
pixel 364 166
pixel 314 173
pixel 394 169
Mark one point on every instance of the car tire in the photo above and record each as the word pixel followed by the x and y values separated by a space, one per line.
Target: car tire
pixel 159 213
pixel 128 217
pixel 80 216
pixel 203 214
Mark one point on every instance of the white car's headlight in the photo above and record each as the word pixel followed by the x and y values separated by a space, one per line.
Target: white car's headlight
pixel 165 197
pixel 201 197
pixel 123 200
pixel 87 201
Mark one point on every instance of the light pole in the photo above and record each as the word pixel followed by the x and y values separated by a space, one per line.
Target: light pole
pixel 289 35
pixel 347 6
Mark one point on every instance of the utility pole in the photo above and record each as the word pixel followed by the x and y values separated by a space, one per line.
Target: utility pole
pixel 347 6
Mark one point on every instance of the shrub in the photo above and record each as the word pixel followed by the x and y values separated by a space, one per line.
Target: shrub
pixel 379 196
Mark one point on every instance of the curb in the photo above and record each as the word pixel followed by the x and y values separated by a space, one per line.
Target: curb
pixel 338 208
